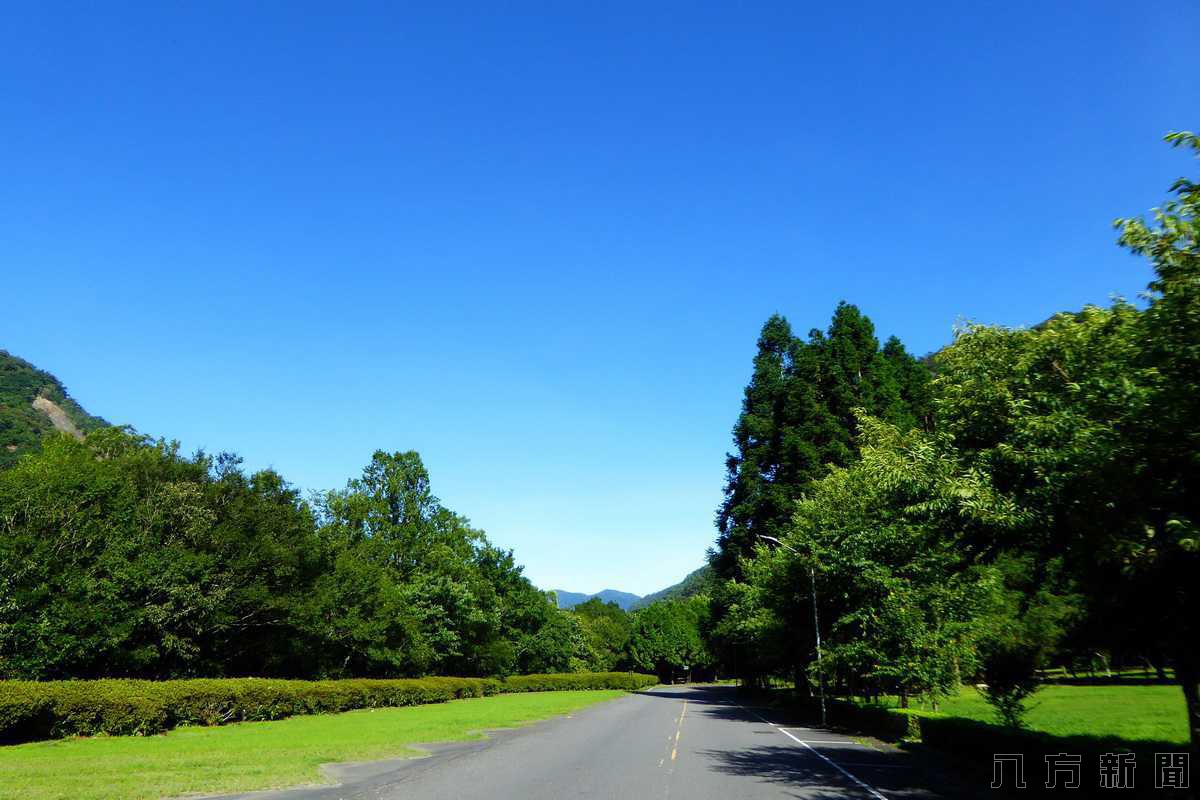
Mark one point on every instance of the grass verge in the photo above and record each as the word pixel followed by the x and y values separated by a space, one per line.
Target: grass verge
pixel 259 755
pixel 1132 713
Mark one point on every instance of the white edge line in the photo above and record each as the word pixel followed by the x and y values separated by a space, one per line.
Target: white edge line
pixel 864 786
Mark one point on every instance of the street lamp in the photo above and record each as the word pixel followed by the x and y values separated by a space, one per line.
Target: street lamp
pixel 812 577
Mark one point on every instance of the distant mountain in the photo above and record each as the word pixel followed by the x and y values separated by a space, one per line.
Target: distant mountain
pixel 695 583
pixel 571 599
pixel 34 403
pixel 698 582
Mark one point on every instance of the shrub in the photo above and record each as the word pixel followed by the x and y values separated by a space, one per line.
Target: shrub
pixel 46 710
pixel 1011 677
pixel 559 681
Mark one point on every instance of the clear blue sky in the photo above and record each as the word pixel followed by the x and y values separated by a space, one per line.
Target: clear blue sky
pixel 536 242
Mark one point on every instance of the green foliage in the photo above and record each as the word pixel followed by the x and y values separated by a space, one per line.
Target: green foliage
pixel 799 419
pixel 607 629
pixel 1010 677
pixel 121 557
pixel 626 681
pixel 55 709
pixel 897 608
pixel 667 638
pixel 1019 631
pixel 443 599
pixel 1040 492
pixel 559 645
pixel 1164 550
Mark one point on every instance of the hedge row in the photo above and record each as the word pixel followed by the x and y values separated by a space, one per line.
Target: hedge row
pixel 575 681
pixel 48 710
pixel 883 723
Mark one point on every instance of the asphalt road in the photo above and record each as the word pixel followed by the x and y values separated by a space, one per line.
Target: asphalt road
pixel 678 742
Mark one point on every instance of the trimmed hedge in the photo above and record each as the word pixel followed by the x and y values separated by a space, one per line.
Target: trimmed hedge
pixel 888 724
pixel 31 710
pixel 575 681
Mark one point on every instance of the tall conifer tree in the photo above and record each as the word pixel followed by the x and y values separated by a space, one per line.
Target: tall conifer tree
pixel 798 417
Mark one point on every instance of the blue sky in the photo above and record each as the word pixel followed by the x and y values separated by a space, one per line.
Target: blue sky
pixel 536 242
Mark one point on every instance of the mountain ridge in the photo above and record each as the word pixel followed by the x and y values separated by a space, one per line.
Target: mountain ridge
pixel 567 599
pixel 698 581
pixel 695 582
pixel 33 404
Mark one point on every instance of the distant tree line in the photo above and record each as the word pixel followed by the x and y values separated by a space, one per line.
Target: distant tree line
pixel 121 557
pixel 1023 498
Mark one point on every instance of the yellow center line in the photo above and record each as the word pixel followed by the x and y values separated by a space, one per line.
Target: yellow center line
pixel 679 730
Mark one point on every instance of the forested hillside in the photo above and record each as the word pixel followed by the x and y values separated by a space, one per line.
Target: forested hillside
pixel 625 600
pixel 697 582
pixel 33 403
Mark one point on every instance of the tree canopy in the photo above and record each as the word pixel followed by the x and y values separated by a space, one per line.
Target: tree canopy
pixel 1031 496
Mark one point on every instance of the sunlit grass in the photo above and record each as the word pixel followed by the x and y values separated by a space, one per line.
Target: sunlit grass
pixel 259 755
pixel 1134 713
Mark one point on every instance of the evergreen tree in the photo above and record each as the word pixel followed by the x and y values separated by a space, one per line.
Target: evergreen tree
pixel 852 374
pixel 752 503
pixel 911 405
pixel 798 418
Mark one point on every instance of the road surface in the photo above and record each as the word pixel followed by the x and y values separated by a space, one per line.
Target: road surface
pixel 694 742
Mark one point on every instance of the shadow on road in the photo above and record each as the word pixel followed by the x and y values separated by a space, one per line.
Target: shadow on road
pixel 786 766
pixel 715 701
pixel 897 775
pixel 694 693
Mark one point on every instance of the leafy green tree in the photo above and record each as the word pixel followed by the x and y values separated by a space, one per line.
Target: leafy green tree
pixel 559 645
pixel 1019 633
pixel 896 600
pixel 607 628
pixel 667 638
pixel 515 609
pixel 1164 551
pixel 264 534
pixel 121 557
pixel 365 623
pixel 470 602
pixel 1041 488
pixel 798 419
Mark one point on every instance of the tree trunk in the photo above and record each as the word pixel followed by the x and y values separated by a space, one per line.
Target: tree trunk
pixel 904 697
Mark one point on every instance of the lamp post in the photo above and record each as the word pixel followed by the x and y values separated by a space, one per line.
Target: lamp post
pixel 812 577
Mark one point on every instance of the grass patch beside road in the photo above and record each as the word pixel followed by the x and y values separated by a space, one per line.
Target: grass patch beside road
pixel 259 755
pixel 1133 713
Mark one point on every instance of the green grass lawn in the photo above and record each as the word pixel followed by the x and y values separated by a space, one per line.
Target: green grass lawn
pixel 1133 713
pixel 259 755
